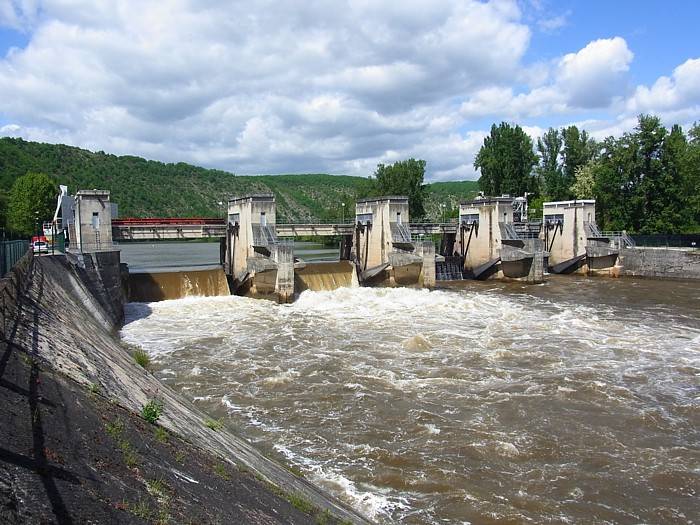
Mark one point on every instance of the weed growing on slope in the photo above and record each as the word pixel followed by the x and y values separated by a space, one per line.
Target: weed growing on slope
pixel 221 471
pixel 142 359
pixel 116 429
pixel 161 434
pixel 157 487
pixel 152 410
pixel 300 503
pixel 140 510
pixel 214 424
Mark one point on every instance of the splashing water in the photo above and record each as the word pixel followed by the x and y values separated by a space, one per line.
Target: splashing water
pixel 572 402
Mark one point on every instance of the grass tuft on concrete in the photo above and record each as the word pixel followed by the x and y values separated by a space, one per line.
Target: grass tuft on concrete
pixel 214 424
pixel 299 502
pixel 161 434
pixel 220 470
pixel 142 359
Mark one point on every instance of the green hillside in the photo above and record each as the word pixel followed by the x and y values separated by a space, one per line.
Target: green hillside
pixel 145 188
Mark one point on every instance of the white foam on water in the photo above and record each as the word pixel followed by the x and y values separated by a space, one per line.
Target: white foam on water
pixel 432 429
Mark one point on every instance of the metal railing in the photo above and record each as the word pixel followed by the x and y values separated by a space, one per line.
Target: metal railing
pixel 687 240
pixel 619 239
pixel 10 253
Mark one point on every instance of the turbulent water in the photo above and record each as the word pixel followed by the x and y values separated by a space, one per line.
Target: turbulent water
pixel 575 401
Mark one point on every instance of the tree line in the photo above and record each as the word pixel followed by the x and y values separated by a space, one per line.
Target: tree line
pixel 646 181
pixel 30 173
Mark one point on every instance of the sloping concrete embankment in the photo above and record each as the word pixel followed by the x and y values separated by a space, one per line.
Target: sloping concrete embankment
pixel 57 311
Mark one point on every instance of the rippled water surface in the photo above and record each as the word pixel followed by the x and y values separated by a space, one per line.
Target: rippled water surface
pixel 575 401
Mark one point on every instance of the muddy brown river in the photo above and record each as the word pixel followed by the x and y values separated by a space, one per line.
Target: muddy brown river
pixel 574 401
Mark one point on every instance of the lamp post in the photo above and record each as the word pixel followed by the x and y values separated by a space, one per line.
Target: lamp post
pixel 342 207
pixel 36 229
pixel 443 212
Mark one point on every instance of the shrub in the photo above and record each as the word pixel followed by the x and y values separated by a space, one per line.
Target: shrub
pixel 152 410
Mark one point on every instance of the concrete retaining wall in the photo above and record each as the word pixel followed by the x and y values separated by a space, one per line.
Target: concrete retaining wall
pixel 660 263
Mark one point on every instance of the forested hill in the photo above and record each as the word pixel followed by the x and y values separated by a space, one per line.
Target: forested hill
pixel 149 188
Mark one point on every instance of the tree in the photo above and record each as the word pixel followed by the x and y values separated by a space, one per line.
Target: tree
pixel 666 197
pixel 691 169
pixel 3 208
pixel 578 150
pixel 584 185
pixel 32 198
pixel 506 160
pixel 404 177
pixel 613 188
pixel 550 172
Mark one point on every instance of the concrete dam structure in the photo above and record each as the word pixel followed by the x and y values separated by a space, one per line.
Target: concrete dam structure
pixel 488 243
pixel 573 241
pixel 379 247
pixel 492 240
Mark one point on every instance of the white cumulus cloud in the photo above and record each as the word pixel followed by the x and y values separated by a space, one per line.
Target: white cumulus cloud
pixel 272 87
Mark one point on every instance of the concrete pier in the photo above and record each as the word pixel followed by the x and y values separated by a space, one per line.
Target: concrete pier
pixel 426 249
pixel 572 238
pixel 283 254
pixel 383 249
pixel 256 263
pixel 488 242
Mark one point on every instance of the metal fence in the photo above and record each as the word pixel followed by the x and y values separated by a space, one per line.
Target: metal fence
pixel 672 241
pixel 10 253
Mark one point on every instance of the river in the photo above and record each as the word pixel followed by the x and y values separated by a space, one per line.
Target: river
pixel 574 401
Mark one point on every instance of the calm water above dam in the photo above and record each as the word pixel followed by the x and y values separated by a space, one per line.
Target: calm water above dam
pixel 575 401
pixel 171 256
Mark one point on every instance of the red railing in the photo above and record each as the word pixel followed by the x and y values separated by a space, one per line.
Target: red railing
pixel 165 221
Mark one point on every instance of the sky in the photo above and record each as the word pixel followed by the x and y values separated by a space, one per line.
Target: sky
pixel 337 87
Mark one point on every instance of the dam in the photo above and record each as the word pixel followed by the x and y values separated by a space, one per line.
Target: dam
pixel 481 401
pixel 492 239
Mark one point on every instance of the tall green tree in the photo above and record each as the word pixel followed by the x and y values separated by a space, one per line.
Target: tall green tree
pixel 691 168
pixel 3 208
pixel 584 185
pixel 646 174
pixel 549 170
pixel 506 161
pixel 665 194
pixel 404 177
pixel 32 198
pixel 614 190
pixel 642 180
pixel 577 151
